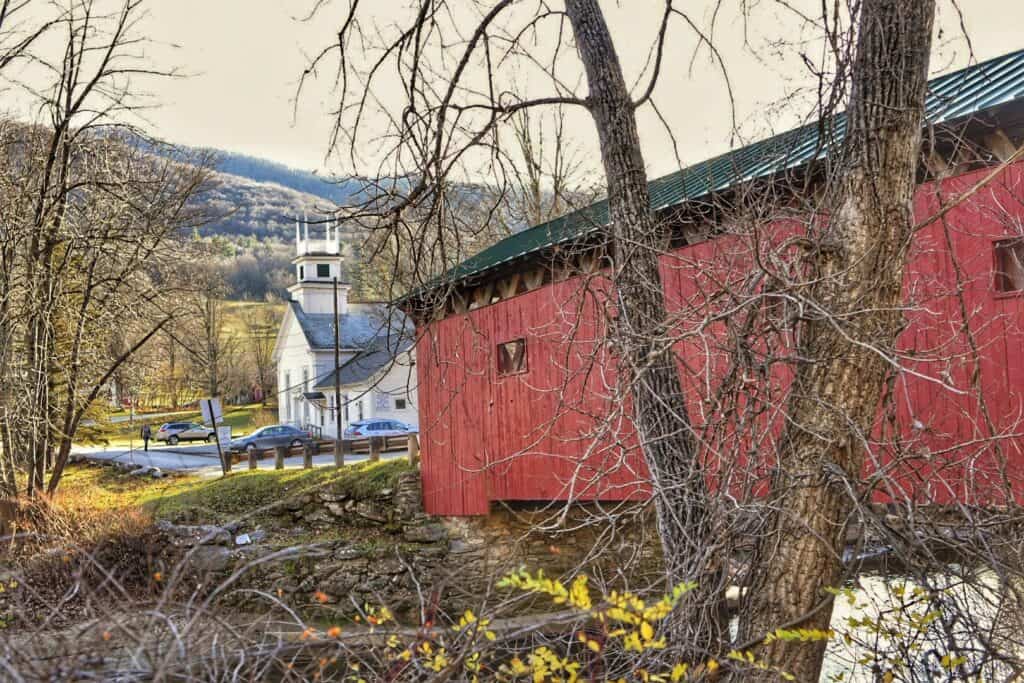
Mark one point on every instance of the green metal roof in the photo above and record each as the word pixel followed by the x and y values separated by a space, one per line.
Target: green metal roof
pixel 950 97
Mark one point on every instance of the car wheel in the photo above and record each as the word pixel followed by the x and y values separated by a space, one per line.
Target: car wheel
pixel 296 443
pixel 211 438
pixel 173 440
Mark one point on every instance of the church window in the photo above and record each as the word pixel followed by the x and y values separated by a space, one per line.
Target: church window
pixel 323 270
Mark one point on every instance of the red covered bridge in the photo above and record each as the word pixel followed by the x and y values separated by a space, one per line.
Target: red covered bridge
pixel 517 391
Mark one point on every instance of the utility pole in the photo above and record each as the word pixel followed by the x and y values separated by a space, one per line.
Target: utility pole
pixel 339 458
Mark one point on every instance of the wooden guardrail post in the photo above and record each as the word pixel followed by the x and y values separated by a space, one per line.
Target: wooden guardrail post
pixel 414 448
pixel 307 455
pixel 252 458
pixel 279 453
pixel 376 444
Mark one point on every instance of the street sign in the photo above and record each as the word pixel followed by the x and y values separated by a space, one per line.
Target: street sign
pixel 213 413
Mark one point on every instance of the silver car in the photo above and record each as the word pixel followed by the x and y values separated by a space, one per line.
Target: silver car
pixel 173 432
pixel 364 429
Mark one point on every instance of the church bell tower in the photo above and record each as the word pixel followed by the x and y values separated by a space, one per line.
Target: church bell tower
pixel 317 262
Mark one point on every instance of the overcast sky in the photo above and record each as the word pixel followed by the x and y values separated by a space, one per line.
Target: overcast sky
pixel 243 58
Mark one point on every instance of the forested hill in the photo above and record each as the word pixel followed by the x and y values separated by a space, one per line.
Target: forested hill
pixel 256 203
pixel 265 171
pixel 258 199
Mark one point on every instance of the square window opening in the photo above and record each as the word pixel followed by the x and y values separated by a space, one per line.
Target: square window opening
pixel 1009 265
pixel 512 357
pixel 323 270
pixel 399 404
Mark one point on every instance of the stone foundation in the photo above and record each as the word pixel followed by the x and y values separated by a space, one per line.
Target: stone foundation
pixel 393 554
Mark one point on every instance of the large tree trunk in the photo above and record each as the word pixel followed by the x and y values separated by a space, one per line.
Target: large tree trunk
pixel 646 361
pixel 836 390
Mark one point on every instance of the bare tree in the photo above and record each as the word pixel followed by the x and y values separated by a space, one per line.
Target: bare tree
pixel 261 330
pixel 90 212
pixel 212 345
pixel 857 276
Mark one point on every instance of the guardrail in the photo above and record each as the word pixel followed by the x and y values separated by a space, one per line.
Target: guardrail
pixel 374 446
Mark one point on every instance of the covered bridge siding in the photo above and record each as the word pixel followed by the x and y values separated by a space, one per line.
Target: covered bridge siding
pixel 551 428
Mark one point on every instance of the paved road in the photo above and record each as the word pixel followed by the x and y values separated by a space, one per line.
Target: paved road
pixel 202 459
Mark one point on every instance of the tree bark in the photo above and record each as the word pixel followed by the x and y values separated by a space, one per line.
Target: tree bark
pixel 646 363
pixel 858 273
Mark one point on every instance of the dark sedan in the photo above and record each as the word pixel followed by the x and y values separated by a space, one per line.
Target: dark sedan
pixel 266 438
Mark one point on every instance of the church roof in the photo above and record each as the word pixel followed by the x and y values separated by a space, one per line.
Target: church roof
pixel 358 328
pixel 372 359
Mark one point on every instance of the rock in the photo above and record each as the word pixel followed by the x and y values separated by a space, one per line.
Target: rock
pixel 209 558
pixel 187 536
pixel 389 567
pixel 349 553
pixel 141 471
pixel 340 583
pixel 457 546
pixel 157 473
pixel 331 497
pixel 431 532
pixel 385 493
pixel 371 511
pixel 318 517
pixel 336 509
pixel 439 550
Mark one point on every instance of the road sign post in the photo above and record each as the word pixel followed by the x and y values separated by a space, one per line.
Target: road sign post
pixel 214 414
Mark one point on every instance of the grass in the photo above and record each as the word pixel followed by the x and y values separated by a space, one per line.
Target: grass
pixel 242 419
pixel 241 494
pixel 236 313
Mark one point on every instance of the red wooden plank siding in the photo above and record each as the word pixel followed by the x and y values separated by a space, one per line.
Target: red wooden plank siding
pixel 532 436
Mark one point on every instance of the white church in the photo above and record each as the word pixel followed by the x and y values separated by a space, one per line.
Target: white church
pixel 376 373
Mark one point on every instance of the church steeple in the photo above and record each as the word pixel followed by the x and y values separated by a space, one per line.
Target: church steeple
pixel 317 262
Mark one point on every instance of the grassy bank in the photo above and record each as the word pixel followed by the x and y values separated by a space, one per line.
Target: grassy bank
pixel 90 488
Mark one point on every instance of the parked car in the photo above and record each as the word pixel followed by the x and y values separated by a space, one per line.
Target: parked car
pixel 364 429
pixel 265 438
pixel 173 432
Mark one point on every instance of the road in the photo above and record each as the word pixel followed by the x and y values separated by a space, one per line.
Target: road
pixel 202 458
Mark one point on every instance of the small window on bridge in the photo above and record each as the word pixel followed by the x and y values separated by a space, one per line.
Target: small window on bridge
pixel 1010 265
pixel 512 357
